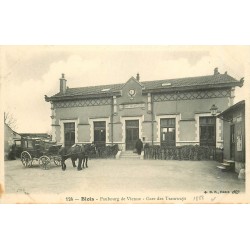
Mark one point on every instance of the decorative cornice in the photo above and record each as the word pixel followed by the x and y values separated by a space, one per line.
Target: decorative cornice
pixel 191 95
pixel 98 117
pixel 83 103
pixel 187 120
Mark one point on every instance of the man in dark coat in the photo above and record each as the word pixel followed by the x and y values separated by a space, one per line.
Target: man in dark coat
pixel 139 146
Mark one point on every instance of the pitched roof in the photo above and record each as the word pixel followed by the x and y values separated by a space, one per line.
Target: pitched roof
pixel 199 82
pixel 192 81
pixel 8 127
pixel 231 109
pixel 91 90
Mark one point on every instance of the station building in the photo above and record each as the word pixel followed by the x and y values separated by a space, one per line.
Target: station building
pixel 172 112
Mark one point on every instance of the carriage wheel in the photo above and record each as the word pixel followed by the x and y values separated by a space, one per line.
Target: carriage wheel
pixel 58 161
pixel 44 162
pixel 26 159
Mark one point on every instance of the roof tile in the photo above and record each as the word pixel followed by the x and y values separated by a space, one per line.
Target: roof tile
pixel 156 84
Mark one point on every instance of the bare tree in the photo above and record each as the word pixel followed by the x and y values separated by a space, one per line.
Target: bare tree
pixel 10 120
pixel 49 132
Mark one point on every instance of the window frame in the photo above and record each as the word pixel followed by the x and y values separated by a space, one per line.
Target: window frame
pixel 168 126
pixel 99 130
pixel 207 126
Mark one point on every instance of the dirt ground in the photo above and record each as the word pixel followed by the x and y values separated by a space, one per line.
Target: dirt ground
pixel 128 177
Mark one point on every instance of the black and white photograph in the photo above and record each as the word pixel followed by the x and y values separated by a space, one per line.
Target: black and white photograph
pixel 124 124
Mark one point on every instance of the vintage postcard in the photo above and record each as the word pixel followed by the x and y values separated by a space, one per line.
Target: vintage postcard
pixel 124 124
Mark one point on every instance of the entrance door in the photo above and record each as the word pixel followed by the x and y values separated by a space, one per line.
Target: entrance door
pixel 69 134
pixel 132 133
pixel 232 141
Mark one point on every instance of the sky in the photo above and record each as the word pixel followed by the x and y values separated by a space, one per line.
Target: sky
pixel 28 73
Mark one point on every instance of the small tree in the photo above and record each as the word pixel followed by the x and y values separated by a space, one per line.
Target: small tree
pixel 10 120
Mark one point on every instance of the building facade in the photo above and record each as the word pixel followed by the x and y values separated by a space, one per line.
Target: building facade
pixel 171 112
pixel 234 134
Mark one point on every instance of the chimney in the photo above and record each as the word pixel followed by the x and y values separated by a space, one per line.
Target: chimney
pixel 216 71
pixel 63 85
pixel 138 77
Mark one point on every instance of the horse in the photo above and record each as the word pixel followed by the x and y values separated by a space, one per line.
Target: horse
pixel 87 149
pixel 75 152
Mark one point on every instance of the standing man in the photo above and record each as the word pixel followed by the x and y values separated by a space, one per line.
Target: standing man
pixel 139 146
pixel 12 153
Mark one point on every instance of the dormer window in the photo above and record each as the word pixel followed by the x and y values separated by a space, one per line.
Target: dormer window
pixel 105 90
pixel 166 84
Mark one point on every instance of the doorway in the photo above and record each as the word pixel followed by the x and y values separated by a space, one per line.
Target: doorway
pixel 132 133
pixel 232 142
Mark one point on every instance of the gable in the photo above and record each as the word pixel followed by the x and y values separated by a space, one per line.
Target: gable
pixel 131 91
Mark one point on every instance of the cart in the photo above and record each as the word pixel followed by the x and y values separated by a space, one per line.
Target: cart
pixel 44 152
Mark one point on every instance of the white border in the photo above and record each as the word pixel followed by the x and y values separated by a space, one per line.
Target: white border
pixel 106 220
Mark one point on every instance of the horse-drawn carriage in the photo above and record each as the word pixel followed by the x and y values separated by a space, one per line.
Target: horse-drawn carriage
pixel 47 152
pixel 42 151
